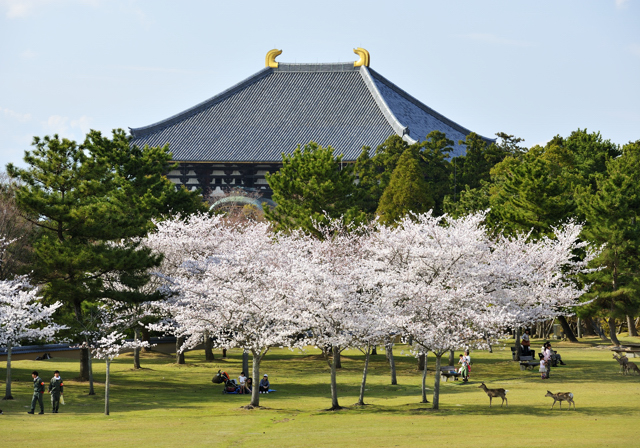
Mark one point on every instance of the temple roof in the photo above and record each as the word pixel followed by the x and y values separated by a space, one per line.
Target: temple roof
pixel 279 108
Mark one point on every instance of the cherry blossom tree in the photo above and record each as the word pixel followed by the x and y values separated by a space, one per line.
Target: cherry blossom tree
pixel 23 316
pixel 231 281
pixel 454 285
pixel 330 295
pixel 109 347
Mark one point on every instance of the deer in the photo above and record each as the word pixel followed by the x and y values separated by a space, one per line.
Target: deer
pixel 491 393
pixel 624 363
pixel 560 397
pixel 631 366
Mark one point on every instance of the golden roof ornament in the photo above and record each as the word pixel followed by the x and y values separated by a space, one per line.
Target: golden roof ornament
pixel 270 60
pixel 364 57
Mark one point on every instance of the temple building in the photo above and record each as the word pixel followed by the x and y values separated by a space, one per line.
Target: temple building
pixel 234 138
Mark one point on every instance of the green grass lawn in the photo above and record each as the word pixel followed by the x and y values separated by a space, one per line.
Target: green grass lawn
pixel 169 405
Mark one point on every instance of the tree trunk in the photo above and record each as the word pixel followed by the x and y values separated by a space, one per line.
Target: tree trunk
pixel 91 391
pixel 245 361
pixel 436 384
pixel 422 361
pixel 255 392
pixel 567 329
pixel 106 389
pixel 547 332
pixel 7 394
pixel 339 360
pixel 84 364
pixel 588 327
pixel 146 338
pixel 598 329
pixel 179 354
pixel 334 386
pixel 208 349
pixel 84 352
pixel 518 347
pixel 374 351
pixel 392 362
pixel 364 375
pixel 224 352
pixel 424 379
pixel 579 327
pixel 136 350
pixel 451 358
pixel 612 331
pixel 632 326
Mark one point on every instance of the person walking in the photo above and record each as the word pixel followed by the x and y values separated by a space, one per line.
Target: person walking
pixel 56 389
pixel 38 391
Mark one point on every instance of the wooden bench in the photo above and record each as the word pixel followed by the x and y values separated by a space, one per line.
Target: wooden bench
pixel 631 353
pixel 527 362
pixel 448 372
pixel 513 353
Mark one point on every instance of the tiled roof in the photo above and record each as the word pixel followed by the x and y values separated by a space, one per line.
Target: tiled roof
pixel 278 108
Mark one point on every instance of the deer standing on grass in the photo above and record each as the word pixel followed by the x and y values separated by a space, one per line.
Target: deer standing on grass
pixel 625 365
pixel 560 397
pixel 631 366
pixel 495 393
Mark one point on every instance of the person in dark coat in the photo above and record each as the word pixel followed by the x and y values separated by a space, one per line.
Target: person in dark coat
pixel 38 391
pixel 56 388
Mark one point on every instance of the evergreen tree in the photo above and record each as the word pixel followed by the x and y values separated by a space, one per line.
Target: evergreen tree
pixel 374 172
pixel 613 219
pixel 535 194
pixel 434 152
pixel 90 202
pixel 312 186
pixel 407 190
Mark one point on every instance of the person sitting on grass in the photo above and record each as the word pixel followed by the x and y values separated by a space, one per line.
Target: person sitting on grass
pixel 264 384
pixel 248 385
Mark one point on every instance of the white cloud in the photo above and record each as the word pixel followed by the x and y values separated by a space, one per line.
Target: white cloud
pixel 22 118
pixel 493 39
pixel 67 127
pixel 15 9
pixel 621 3
pixel 28 54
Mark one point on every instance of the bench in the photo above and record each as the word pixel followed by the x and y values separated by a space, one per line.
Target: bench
pixel 527 362
pixel 632 353
pixel 522 352
pixel 448 372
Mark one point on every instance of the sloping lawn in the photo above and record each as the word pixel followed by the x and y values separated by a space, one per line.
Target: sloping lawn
pixel 169 405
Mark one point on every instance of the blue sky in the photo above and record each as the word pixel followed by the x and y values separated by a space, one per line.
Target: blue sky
pixel 532 69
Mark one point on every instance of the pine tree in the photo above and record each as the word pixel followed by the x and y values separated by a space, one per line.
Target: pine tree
pixel 407 190
pixel 311 187
pixel 613 219
pixel 374 172
pixel 434 153
pixel 90 202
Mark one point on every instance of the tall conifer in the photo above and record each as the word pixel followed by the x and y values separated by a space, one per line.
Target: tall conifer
pixel 407 190
pixel 613 219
